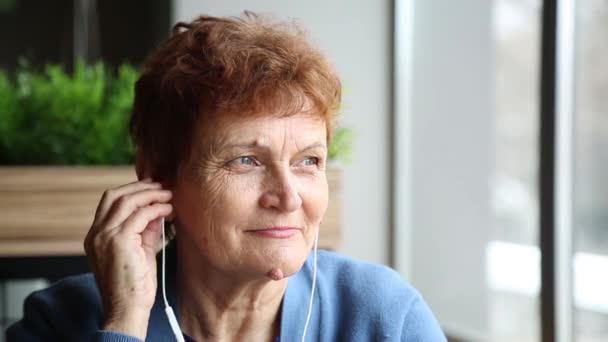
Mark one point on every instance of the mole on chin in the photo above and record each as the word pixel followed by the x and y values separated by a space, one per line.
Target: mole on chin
pixel 275 274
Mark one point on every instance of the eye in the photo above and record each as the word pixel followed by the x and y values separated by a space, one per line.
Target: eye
pixel 246 160
pixel 310 161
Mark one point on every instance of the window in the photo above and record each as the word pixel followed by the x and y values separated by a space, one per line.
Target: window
pixel 590 188
pixel 467 198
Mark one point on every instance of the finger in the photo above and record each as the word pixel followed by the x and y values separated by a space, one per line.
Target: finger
pixel 138 222
pixel 111 195
pixel 150 237
pixel 127 204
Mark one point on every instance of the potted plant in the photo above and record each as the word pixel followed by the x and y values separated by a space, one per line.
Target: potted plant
pixel 64 140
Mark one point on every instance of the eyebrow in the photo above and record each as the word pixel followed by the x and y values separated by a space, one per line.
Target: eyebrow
pixel 254 144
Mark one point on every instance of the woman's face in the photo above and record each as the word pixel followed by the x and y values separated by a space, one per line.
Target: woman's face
pixel 254 192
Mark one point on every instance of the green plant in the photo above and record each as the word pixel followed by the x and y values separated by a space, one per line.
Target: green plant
pixel 340 148
pixel 52 117
pixel 7 5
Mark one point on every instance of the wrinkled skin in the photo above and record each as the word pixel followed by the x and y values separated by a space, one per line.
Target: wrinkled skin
pixel 276 178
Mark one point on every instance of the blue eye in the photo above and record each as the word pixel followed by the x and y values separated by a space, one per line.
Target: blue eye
pixel 311 161
pixel 246 160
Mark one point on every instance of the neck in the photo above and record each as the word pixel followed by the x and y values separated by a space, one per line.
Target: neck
pixel 216 306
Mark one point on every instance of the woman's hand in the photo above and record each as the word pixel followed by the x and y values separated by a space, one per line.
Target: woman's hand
pixel 121 247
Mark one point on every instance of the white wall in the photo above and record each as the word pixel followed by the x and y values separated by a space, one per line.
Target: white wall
pixel 356 35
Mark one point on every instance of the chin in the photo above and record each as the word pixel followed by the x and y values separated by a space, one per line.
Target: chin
pixel 288 259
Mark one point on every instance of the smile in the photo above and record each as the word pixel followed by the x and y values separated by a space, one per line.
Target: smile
pixel 274 232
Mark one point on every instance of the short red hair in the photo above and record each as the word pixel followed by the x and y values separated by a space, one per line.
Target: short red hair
pixel 213 66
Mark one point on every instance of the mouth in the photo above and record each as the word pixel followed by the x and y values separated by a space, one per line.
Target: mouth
pixel 274 232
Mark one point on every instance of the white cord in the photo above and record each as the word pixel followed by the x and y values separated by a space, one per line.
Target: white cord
pixel 162 228
pixel 312 290
pixel 168 310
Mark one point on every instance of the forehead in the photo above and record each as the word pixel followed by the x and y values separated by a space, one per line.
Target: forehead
pixel 264 129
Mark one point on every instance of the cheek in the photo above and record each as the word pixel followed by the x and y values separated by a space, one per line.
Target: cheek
pixel 230 199
pixel 213 191
pixel 201 200
pixel 314 194
pixel 238 192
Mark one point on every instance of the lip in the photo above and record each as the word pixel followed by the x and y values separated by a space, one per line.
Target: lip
pixel 274 232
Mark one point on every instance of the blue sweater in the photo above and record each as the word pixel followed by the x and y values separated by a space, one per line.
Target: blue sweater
pixel 354 301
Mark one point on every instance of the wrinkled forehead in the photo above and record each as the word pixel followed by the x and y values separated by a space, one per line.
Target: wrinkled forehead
pixel 283 114
pixel 261 130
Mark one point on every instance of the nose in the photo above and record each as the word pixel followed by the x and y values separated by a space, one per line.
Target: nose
pixel 281 193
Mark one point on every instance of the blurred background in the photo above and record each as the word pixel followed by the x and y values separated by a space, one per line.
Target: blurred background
pixel 442 106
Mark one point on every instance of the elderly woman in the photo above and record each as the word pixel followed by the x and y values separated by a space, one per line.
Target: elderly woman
pixel 231 120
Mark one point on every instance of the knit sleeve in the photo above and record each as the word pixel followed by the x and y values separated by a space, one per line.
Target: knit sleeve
pixel 69 310
pixel 113 336
pixel 35 324
pixel 39 323
pixel 420 324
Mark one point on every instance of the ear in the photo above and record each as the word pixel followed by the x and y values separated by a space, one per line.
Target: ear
pixel 142 169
